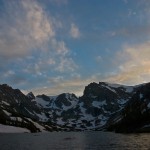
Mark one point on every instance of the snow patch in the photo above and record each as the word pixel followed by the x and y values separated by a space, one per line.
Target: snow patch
pixel 12 129
pixel 128 89
pixel 148 106
pixel 5 103
pixel 146 126
pixel 7 113
pixel 114 85
pixel 42 102
pixel 141 96
pixel 59 121
pixel 117 119
pixel 122 101
pixel 99 104
pixel 92 96
pixel 29 111
pixel 40 127
pixel 53 97
pixel 42 117
pixel 109 88
pixel 16 119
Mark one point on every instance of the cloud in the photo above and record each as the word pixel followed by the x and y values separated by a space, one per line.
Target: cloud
pixel 8 73
pixel 66 64
pixel 51 61
pixel 28 30
pixel 61 85
pixel 18 80
pixel 12 78
pixel 38 22
pixel 74 31
pixel 99 58
pixel 60 47
pixel 134 65
pixel 24 27
pixel 55 80
pixel 44 65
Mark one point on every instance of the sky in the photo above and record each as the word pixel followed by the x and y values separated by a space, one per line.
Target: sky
pixel 58 46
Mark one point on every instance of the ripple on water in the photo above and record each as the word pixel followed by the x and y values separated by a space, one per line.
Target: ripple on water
pixel 75 141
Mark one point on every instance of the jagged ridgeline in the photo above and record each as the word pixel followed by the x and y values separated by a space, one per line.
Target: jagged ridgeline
pixel 103 106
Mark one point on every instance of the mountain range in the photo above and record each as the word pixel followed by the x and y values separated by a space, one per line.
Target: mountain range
pixel 103 106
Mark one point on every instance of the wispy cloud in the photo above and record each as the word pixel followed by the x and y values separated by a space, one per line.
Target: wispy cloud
pixel 99 58
pixel 28 29
pixel 24 27
pixel 61 85
pixel 13 78
pixel 134 65
pixel 66 64
pixel 74 31
pixel 9 73
pixel 60 47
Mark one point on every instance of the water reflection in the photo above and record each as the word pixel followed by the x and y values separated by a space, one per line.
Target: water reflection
pixel 74 141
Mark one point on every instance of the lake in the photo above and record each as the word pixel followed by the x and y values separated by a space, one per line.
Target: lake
pixel 74 141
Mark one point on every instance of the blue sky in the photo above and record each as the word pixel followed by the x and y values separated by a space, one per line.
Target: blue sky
pixel 56 46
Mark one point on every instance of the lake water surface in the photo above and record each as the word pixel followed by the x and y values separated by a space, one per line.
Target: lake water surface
pixel 75 141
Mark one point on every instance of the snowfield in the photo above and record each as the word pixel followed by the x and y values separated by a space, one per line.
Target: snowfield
pixel 12 129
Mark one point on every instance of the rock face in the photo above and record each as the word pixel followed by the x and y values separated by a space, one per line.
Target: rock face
pixel 30 96
pixel 103 106
pixel 19 110
pixel 102 100
pixel 14 107
pixel 135 117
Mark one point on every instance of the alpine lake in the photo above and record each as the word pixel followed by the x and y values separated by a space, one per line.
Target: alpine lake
pixel 92 140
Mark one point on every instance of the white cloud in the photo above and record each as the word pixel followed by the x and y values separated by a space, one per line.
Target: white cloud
pixel 55 80
pixel 75 75
pixel 60 85
pixel 134 65
pixel 27 28
pixel 24 27
pixel 51 61
pixel 39 24
pixel 74 31
pixel 60 47
pixel 66 64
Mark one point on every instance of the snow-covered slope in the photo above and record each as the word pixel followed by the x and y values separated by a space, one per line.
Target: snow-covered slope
pixel 91 111
pixel 12 129
pixel 100 105
pixel 135 116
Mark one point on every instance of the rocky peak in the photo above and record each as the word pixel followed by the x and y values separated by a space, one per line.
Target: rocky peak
pixel 90 88
pixel 30 95
pixel 102 104
pixel 5 88
pixel 65 99
pixel 101 90
pixel 44 97
pixel 7 91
